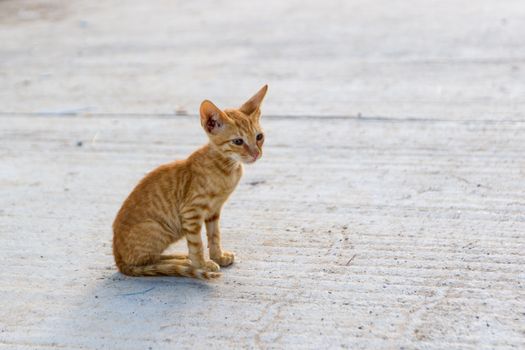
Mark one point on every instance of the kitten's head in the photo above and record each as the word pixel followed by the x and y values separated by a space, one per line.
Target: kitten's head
pixel 236 133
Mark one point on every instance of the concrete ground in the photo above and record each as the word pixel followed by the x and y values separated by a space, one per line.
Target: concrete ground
pixel 388 211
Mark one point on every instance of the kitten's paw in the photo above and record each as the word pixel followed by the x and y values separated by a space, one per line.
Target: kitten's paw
pixel 226 259
pixel 211 266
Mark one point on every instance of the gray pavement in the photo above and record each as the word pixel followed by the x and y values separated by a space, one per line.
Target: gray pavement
pixel 386 213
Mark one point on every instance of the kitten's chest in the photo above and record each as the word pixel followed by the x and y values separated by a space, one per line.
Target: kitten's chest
pixel 224 186
pixel 227 184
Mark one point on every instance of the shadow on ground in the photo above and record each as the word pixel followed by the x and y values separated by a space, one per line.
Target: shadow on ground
pixel 119 308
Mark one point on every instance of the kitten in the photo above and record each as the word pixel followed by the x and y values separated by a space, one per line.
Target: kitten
pixel 176 199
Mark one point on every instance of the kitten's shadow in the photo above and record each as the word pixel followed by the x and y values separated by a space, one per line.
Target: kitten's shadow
pixel 120 306
pixel 176 289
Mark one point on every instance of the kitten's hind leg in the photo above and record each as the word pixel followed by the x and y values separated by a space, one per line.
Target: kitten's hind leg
pixel 140 244
pixel 170 267
pixel 141 254
pixel 177 256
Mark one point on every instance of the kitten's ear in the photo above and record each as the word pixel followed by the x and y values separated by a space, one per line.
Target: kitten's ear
pixel 212 118
pixel 254 103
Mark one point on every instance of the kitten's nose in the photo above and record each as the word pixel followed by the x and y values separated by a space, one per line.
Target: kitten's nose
pixel 255 154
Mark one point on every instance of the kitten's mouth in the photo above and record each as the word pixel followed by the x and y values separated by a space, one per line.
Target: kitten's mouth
pixel 250 160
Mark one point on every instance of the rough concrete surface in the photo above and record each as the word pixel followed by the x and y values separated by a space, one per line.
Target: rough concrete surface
pixel 434 59
pixel 387 212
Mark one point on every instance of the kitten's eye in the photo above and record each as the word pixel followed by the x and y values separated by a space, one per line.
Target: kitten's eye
pixel 238 142
pixel 260 137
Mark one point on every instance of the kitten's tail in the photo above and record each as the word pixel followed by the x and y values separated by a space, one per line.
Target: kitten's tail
pixel 170 267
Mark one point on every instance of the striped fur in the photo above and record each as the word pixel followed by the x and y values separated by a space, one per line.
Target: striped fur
pixel 177 199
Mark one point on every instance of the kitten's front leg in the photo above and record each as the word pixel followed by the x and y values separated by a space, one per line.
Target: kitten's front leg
pixel 221 257
pixel 191 227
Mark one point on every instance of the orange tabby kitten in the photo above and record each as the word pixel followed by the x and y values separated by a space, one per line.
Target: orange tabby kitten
pixel 174 200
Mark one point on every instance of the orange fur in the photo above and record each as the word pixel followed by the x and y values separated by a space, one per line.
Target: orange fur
pixel 176 199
